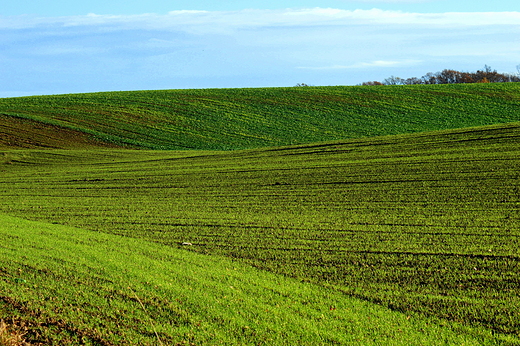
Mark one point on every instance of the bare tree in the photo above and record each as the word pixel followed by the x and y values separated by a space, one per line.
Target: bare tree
pixel 413 81
pixel 372 83
pixel 393 80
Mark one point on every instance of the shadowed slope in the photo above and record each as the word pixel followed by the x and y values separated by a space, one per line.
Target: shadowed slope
pixel 26 133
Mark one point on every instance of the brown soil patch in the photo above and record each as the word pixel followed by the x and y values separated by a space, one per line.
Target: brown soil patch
pixel 29 134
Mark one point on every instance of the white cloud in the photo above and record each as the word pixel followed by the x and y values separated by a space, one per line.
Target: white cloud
pixel 391 1
pixel 262 18
pixel 361 65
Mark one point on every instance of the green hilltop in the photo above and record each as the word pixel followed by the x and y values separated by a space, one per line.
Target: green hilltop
pixel 224 119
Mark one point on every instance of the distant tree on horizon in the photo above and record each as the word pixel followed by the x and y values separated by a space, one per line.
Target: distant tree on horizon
pixel 447 76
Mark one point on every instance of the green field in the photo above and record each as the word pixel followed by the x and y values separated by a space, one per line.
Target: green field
pixel 223 119
pixel 395 240
pixel 73 286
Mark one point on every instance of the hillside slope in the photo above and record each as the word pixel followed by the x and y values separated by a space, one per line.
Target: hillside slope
pixel 422 223
pixel 223 119
pixel 69 286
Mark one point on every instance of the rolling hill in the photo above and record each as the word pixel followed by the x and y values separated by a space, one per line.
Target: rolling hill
pixel 224 119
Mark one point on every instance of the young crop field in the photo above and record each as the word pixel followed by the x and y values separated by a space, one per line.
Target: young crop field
pixel 427 225
pixel 224 119
pixel 68 286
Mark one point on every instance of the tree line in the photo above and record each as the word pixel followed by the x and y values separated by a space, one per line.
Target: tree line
pixel 486 75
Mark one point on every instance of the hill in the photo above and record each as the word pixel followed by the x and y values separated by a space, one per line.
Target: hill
pixel 425 224
pixel 223 119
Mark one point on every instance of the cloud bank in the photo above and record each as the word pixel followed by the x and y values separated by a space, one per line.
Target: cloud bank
pixel 188 49
pixel 205 20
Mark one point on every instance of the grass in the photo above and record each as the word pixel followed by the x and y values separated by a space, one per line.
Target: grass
pixel 424 225
pixel 224 119
pixel 73 286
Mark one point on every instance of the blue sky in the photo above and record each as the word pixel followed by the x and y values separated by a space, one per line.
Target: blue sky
pixel 52 46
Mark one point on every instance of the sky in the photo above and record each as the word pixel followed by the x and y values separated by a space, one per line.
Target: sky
pixel 58 46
